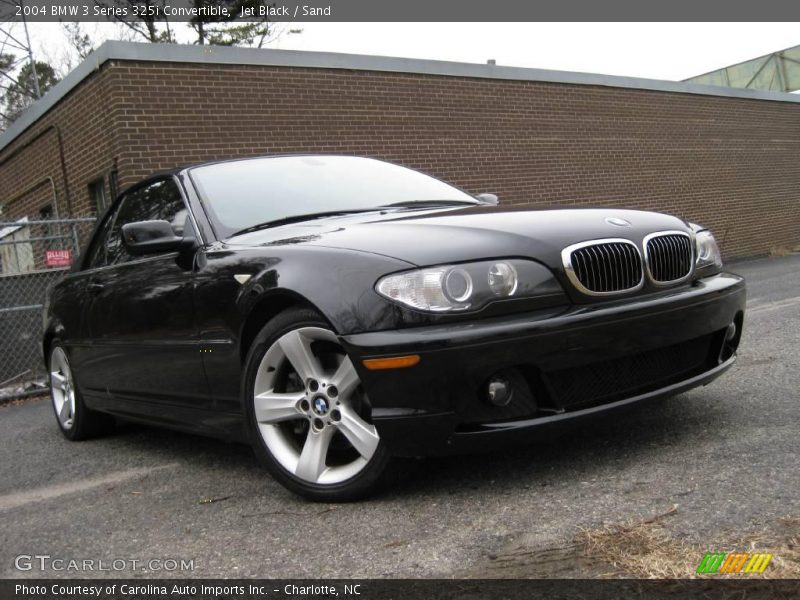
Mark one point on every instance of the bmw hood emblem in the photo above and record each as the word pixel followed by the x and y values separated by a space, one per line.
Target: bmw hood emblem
pixel 618 222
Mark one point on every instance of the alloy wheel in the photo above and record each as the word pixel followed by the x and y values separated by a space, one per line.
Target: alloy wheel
pixel 62 388
pixel 310 408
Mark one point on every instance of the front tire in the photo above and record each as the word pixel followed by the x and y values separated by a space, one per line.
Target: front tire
pixel 307 413
pixel 74 420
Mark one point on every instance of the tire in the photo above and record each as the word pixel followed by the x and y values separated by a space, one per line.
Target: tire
pixel 307 413
pixel 74 420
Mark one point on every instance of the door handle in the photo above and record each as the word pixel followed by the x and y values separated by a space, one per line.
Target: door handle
pixel 95 287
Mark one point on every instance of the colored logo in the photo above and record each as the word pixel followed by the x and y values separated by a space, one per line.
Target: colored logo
pixel 736 562
pixel 320 406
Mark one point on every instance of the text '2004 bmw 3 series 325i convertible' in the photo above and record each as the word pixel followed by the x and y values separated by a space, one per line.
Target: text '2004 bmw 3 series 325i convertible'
pixel 337 311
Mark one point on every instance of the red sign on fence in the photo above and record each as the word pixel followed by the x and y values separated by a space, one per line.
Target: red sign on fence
pixel 58 258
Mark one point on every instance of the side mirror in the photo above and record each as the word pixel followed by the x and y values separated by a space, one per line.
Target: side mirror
pixel 148 237
pixel 489 199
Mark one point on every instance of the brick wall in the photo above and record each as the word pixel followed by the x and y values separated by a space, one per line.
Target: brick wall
pixel 52 163
pixel 730 163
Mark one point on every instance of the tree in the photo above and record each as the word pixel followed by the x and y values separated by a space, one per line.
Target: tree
pixel 216 29
pixel 81 40
pixel 149 24
pixel 224 31
pixel 6 66
pixel 20 94
pixel 78 39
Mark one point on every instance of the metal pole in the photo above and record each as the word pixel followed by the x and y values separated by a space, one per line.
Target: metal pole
pixel 781 66
pixel 16 254
pixel 30 53
pixel 75 243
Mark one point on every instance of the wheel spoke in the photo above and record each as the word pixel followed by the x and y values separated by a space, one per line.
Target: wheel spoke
pixel 273 407
pixel 297 349
pixel 65 411
pixel 329 379
pixel 57 380
pixel 358 432
pixel 345 379
pixel 315 450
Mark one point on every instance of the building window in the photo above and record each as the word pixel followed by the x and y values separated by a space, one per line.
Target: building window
pixel 46 214
pixel 97 194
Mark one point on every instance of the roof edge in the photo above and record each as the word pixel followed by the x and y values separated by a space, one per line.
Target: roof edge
pixel 38 109
pixel 186 53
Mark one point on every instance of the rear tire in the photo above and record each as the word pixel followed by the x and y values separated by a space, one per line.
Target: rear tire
pixel 74 420
pixel 307 414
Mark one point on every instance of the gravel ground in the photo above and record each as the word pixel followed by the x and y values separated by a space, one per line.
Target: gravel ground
pixel 725 454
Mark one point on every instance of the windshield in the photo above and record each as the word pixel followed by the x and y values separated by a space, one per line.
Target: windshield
pixel 244 193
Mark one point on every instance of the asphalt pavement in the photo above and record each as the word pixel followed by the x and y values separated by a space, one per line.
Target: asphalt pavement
pixel 725 454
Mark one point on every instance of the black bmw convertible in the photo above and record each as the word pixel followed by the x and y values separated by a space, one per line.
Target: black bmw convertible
pixel 336 311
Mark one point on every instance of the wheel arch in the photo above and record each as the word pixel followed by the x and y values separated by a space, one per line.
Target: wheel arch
pixel 53 332
pixel 266 308
pixel 47 343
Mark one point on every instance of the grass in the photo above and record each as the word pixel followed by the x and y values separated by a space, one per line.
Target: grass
pixel 646 549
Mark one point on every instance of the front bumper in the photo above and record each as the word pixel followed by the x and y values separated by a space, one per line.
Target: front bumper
pixel 566 364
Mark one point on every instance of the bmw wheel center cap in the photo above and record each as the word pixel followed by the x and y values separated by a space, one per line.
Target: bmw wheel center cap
pixel 320 405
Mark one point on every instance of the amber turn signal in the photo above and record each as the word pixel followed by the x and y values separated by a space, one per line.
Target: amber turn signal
pixel 395 362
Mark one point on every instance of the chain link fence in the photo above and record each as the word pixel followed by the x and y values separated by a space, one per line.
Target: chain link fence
pixel 33 255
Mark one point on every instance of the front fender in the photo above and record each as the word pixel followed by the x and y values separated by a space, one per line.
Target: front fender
pixel 338 283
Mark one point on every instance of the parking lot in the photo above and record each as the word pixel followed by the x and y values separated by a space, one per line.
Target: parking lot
pixel 713 468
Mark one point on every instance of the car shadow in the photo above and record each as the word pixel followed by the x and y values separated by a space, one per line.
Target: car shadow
pixel 580 452
pixel 172 444
pixel 583 451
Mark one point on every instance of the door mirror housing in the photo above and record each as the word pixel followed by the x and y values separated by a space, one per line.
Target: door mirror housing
pixel 489 199
pixel 149 237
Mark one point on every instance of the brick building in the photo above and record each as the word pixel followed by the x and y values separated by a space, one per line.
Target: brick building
pixel 727 158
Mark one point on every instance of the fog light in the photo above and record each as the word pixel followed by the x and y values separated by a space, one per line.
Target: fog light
pixel 499 391
pixel 731 332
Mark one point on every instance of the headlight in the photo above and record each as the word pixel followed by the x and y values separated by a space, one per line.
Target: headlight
pixel 707 251
pixel 453 288
pixel 502 279
pixel 457 285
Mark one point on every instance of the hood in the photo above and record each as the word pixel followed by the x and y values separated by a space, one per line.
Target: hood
pixel 473 233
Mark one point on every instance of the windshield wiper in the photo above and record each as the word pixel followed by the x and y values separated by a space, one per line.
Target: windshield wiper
pixel 427 203
pixel 300 218
pixel 335 213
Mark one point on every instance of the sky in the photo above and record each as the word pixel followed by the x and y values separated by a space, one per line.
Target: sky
pixel 670 51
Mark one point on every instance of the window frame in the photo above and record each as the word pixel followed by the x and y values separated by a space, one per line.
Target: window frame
pixel 98 183
pixel 47 213
pixel 112 212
